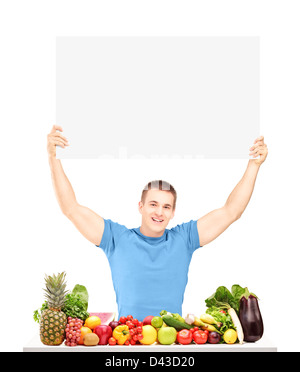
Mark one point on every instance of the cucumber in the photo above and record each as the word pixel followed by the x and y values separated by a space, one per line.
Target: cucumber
pixel 172 322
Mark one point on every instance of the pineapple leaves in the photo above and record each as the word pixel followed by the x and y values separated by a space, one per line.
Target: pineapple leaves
pixel 55 291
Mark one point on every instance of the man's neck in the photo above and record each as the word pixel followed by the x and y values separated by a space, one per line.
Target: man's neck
pixel 150 233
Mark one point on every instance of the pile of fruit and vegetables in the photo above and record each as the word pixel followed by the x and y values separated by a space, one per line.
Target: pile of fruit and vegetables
pixel 231 317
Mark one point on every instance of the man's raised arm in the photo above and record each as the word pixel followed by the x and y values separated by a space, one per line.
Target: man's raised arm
pixel 214 223
pixel 88 223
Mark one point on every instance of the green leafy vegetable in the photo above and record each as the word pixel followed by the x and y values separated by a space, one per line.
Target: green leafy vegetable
pixel 76 303
pixel 224 299
pixel 225 319
pixel 75 307
pixel 38 313
pixel 82 292
pixel 238 291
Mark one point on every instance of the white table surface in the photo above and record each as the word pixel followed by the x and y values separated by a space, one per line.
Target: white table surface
pixel 263 345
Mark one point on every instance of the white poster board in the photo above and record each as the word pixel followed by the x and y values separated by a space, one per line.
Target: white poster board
pixel 157 97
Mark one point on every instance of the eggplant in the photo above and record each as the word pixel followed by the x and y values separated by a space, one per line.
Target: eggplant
pixel 251 319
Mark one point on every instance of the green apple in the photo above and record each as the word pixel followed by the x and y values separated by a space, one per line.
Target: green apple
pixel 167 335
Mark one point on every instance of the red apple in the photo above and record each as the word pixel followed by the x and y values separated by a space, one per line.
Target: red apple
pixel 147 320
pixel 104 332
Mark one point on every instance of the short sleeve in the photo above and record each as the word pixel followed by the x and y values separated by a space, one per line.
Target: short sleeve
pixel 189 233
pixel 111 235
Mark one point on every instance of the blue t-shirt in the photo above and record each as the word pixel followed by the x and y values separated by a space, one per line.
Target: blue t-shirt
pixel 149 274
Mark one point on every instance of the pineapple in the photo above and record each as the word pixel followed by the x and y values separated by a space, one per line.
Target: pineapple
pixel 53 321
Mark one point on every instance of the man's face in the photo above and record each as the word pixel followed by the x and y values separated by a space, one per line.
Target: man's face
pixel 156 211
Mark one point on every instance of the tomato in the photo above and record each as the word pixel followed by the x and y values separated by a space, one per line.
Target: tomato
pixel 130 324
pixel 132 332
pixel 135 338
pixel 112 341
pixel 200 337
pixel 123 320
pixel 222 311
pixel 129 317
pixel 185 337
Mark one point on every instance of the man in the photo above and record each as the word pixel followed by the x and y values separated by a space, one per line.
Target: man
pixel 149 265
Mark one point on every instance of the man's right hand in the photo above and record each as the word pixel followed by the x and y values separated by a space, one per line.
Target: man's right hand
pixel 88 223
pixel 54 139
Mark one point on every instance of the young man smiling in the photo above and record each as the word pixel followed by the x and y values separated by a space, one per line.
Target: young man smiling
pixel 157 207
pixel 143 259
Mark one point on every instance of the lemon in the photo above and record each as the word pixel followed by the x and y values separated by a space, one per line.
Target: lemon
pixel 230 336
pixel 92 322
pixel 149 335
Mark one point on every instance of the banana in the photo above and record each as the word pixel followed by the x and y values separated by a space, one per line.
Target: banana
pixel 207 318
pixel 198 322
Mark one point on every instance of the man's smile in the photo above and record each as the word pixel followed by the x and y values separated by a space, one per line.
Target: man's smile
pixel 156 220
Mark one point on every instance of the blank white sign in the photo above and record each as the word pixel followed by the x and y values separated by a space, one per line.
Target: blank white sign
pixel 157 97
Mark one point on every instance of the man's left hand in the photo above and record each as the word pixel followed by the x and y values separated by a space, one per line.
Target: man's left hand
pixel 259 150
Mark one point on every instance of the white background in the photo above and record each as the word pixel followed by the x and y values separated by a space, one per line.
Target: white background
pixel 170 86
pixel 260 251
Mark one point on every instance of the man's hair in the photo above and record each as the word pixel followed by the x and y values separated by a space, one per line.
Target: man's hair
pixel 159 185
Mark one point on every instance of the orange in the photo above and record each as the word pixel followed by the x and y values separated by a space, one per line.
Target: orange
pixel 92 322
pixel 84 331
